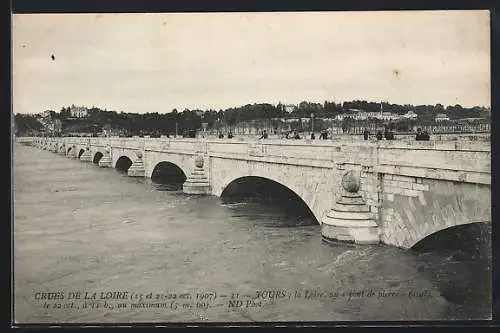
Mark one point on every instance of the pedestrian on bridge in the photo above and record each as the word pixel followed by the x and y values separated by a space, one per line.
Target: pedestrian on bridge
pixel 390 135
pixel 323 135
pixel 366 134
pixel 422 136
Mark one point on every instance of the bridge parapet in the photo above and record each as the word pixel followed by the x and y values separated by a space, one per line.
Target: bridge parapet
pixel 447 160
pixel 182 146
pixel 467 156
pixel 467 162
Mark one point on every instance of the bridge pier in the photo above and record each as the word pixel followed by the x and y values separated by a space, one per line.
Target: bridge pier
pixel 62 149
pixel 137 167
pixel 86 156
pixel 73 153
pixel 105 161
pixel 350 219
pixel 197 182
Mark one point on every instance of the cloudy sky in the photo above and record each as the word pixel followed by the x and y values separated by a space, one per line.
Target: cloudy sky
pixel 157 62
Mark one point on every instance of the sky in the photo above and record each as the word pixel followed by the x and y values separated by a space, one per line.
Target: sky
pixel 161 61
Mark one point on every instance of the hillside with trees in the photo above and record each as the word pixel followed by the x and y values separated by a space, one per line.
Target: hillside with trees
pixel 191 120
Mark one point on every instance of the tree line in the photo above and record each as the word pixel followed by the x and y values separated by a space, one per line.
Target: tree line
pixel 191 120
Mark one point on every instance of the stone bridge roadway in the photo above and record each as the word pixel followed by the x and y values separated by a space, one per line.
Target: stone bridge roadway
pixel 393 192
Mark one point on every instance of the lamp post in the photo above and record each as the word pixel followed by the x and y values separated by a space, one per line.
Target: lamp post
pixel 176 129
pixel 312 122
pixel 203 125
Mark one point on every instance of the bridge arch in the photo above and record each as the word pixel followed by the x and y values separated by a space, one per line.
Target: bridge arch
pixel 97 157
pixel 433 232
pixel 80 153
pixel 68 151
pixel 166 172
pixel 260 187
pixel 123 163
pixel 437 236
pixel 409 220
pixel 316 187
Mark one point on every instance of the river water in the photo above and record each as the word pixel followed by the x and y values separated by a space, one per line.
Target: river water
pixel 80 228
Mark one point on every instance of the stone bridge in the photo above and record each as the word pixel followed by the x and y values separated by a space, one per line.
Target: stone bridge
pixel 366 192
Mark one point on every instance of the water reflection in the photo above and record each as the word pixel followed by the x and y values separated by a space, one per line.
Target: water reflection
pixel 270 214
pixel 175 187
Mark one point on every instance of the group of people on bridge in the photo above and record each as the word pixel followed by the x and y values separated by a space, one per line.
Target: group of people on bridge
pixel 388 134
pixel 422 135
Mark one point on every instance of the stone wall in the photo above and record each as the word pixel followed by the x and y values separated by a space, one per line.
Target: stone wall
pixel 413 208
pixel 151 159
pixel 116 153
pixel 314 185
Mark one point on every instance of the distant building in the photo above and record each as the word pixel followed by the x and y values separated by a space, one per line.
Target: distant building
pixel 410 115
pixel 389 116
pixel 289 107
pixel 79 111
pixel 357 114
pixel 107 130
pixel 441 117
pixel 364 115
pixel 54 126
pixel 472 119
pixel 375 115
pixel 45 118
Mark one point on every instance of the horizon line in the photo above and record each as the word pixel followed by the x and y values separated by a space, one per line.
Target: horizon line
pixel 254 103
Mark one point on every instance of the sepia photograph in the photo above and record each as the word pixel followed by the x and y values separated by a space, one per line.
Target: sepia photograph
pixel 251 167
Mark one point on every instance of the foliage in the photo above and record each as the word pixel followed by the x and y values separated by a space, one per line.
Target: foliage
pixel 26 123
pixel 262 114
